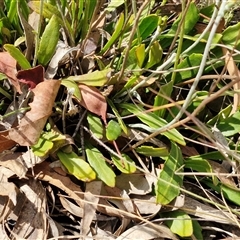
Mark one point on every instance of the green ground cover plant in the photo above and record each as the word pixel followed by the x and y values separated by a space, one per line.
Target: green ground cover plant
pixel 119 119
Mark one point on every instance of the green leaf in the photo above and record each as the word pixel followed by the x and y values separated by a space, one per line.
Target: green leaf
pixel 98 162
pixel 113 130
pixel 154 122
pixel 148 25
pixel 48 11
pixel 42 147
pixel 89 7
pixel 193 60
pixel 48 41
pixel 152 151
pixel 190 20
pixel 115 35
pixel 124 164
pixel 200 165
pixel 71 84
pixel 133 61
pixel 229 192
pixel 12 11
pixel 165 90
pixel 166 192
pixel 197 230
pixel 221 116
pixel 76 166
pixel 18 56
pixel 119 119
pixel 215 155
pixel 230 35
pixel 95 125
pixel 140 54
pixel 46 143
pixel 113 5
pixel 181 225
pixel 231 125
pixel 96 78
pixel 155 55
pixel 199 48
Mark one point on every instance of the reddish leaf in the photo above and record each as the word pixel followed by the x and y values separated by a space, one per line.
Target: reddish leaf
pixel 32 124
pixel 5 143
pixel 31 77
pixel 8 67
pixel 93 101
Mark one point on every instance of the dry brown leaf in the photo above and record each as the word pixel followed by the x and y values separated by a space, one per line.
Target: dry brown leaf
pixel 62 55
pixel 118 201
pixel 32 77
pixel 45 173
pixel 234 72
pixel 219 168
pixel 34 20
pixel 5 142
pixel 5 174
pixel 55 228
pixel 9 189
pixel 133 183
pixel 206 212
pixel 189 151
pixel 3 233
pixel 91 42
pixel 93 101
pixel 78 211
pixel 6 208
pixel 129 203
pixel 71 207
pixel 29 159
pixel 32 124
pixel 103 233
pixel 93 189
pixel 8 67
pixel 13 162
pixel 32 222
pixel 145 232
pixel 146 204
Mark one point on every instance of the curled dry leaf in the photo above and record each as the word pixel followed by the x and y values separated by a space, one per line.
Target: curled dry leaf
pixel 32 77
pixel 93 101
pixel 8 67
pixel 32 124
